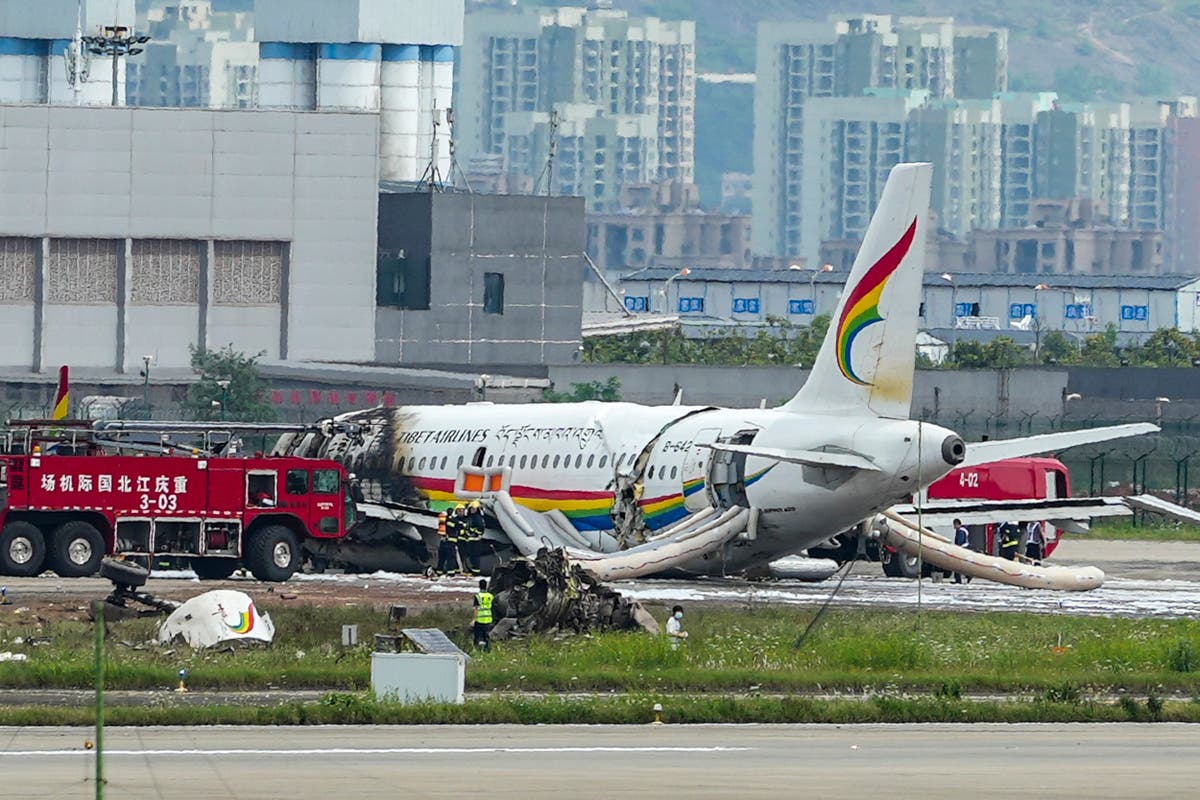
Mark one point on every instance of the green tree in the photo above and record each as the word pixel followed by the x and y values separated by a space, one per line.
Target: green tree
pixel 967 354
pixel 1002 352
pixel 1166 347
pixel 1058 348
pixel 608 391
pixel 241 400
pixel 1100 349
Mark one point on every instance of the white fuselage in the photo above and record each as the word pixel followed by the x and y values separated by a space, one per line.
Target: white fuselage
pixel 597 461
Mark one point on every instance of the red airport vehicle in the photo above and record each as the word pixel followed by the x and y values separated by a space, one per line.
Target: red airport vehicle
pixel 66 501
pixel 1012 479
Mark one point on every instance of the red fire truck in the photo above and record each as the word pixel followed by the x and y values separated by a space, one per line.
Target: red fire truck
pixel 1012 479
pixel 65 502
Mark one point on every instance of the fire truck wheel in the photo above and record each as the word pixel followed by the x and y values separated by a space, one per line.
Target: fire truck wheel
pixel 76 549
pixel 900 565
pixel 124 573
pixel 22 549
pixel 272 554
pixel 214 569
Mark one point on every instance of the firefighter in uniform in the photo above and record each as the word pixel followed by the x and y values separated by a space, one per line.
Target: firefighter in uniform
pixel 475 526
pixel 463 542
pixel 447 542
pixel 1010 540
pixel 483 616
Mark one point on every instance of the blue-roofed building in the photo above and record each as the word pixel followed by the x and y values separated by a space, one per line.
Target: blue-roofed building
pixel 974 305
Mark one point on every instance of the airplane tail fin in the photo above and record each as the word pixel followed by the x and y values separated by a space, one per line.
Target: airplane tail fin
pixel 866 361
pixel 62 400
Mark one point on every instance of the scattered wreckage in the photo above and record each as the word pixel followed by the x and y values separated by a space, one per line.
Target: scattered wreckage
pixel 548 593
pixel 209 619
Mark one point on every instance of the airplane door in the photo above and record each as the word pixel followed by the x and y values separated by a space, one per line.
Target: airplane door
pixel 695 470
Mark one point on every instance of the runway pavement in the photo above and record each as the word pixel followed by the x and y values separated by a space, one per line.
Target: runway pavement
pixel 928 761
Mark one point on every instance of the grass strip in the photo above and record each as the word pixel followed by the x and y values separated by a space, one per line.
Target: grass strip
pixel 360 709
pixel 730 650
pixel 1150 530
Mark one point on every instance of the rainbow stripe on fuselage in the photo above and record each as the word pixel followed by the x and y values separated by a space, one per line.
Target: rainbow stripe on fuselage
pixel 587 511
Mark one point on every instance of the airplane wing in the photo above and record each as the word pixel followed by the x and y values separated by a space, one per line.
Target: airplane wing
pixel 1076 510
pixel 809 458
pixel 1000 449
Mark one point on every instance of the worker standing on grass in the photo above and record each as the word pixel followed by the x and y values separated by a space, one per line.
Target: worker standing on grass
pixel 675 626
pixel 483 616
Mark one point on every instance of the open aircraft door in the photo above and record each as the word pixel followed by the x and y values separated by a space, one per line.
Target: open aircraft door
pixel 695 470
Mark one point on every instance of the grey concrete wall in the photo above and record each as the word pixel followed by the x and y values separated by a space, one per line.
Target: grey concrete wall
pixel 974 395
pixel 536 243
pixel 306 180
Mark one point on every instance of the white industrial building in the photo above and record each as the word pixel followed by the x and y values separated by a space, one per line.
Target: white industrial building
pixel 35 51
pixel 389 57
pixel 994 304
pixel 130 232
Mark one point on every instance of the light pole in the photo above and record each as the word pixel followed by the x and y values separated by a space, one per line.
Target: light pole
pixel 224 386
pixel 683 273
pixel 115 41
pixel 146 383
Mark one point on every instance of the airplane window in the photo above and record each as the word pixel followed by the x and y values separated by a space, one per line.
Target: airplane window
pixel 545 460
pixel 422 464
pixel 522 462
pixel 674 472
pixel 443 462
pixel 477 461
pixel 489 461
pixel 400 464
pixel 512 461
pixel 652 473
pixel 621 461
pixel 591 460
pixel 579 461
pixel 556 458
pixel 460 461
pixel 603 461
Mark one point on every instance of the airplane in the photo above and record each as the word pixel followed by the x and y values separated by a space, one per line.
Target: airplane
pixel 633 490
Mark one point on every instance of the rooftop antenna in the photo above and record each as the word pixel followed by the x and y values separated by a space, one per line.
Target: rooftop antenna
pixel 455 167
pixel 75 59
pixel 548 170
pixel 433 175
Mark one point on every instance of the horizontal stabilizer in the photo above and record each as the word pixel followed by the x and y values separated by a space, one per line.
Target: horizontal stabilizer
pixel 1000 449
pixel 942 513
pixel 809 458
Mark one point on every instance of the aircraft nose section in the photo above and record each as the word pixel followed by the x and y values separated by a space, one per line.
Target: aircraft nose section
pixel 953 450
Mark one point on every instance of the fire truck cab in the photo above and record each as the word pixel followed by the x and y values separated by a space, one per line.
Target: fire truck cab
pixel 65 503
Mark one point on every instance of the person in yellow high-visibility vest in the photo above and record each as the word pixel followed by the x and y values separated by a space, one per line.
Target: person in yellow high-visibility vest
pixel 483 616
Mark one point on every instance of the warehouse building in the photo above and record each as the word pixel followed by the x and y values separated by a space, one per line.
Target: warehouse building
pixel 139 232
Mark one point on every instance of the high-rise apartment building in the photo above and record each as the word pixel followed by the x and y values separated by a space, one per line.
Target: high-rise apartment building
pixel 197 58
pixel 864 58
pixel 962 137
pixel 587 80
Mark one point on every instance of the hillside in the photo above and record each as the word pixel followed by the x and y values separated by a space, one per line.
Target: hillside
pixel 1081 49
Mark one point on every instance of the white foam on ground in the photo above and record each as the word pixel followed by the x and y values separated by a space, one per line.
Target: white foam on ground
pixel 1118 597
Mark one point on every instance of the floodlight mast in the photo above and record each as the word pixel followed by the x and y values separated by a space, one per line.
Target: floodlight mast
pixel 116 41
